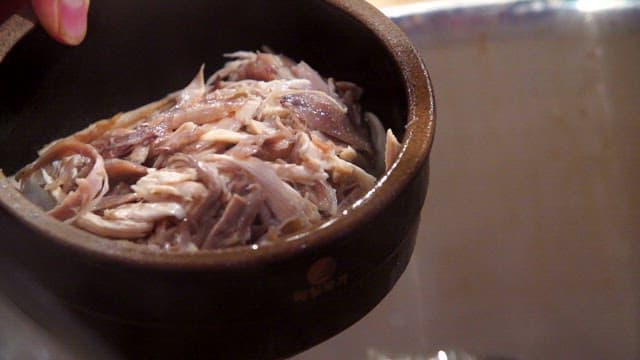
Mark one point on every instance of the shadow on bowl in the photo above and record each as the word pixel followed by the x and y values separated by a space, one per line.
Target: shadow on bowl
pixel 266 303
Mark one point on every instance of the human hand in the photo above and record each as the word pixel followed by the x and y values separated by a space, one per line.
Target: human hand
pixel 64 20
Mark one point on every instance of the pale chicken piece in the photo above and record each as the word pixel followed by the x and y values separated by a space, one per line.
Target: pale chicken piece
pixel 190 190
pixel 308 153
pixel 194 92
pixel 348 154
pixel 115 229
pixel 159 184
pixel 258 128
pixel 392 149
pixel 168 176
pixel 247 111
pixel 346 172
pixel 377 139
pixel 224 136
pixel 146 212
pixel 200 114
pixel 139 154
pixel 297 173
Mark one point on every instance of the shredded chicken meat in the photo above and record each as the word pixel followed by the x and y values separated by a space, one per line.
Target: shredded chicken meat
pixel 265 148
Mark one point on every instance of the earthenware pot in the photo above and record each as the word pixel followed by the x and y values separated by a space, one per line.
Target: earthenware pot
pixel 268 302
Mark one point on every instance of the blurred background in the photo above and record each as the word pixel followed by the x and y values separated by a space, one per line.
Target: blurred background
pixel 530 236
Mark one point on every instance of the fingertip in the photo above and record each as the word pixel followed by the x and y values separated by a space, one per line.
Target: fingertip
pixel 73 20
pixel 64 20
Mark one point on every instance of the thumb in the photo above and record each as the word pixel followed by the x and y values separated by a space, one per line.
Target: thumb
pixel 64 20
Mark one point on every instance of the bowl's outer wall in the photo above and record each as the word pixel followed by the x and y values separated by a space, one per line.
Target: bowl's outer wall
pixel 128 305
pixel 136 53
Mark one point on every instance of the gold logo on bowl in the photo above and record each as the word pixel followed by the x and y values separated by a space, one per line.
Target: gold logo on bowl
pixel 321 271
pixel 323 278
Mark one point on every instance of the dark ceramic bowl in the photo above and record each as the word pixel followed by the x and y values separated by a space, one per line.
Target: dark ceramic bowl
pixel 265 303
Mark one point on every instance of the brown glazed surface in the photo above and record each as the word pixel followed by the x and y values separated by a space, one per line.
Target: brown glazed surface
pixel 272 301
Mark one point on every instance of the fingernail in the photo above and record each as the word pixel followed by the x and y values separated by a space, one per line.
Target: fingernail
pixel 73 20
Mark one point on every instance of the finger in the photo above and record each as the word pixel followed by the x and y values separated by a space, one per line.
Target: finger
pixel 64 20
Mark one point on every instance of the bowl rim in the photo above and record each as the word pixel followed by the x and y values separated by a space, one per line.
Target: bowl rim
pixel 416 146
